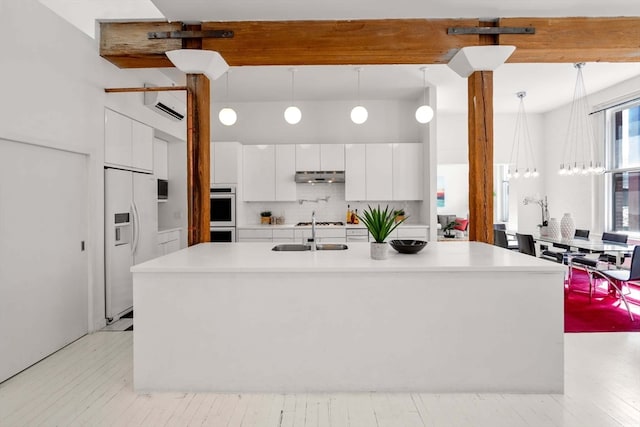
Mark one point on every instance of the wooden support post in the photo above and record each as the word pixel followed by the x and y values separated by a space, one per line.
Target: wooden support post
pixel 481 156
pixel 198 158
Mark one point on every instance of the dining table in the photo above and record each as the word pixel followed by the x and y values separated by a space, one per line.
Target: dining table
pixel 586 245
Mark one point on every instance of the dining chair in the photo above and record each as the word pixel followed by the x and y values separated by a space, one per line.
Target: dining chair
pixel 500 227
pixel 526 244
pixel 500 239
pixel 618 278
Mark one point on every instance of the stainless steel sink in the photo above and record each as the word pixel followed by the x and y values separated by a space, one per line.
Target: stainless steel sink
pixel 289 247
pixel 331 246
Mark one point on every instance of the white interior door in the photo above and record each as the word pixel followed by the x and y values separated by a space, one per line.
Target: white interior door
pixel 43 265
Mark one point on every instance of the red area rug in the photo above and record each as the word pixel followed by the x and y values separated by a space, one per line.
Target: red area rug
pixel 605 313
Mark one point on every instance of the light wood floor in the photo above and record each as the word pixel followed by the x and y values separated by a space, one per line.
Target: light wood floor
pixel 89 383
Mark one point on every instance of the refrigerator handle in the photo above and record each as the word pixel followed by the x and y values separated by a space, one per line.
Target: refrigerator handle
pixel 136 227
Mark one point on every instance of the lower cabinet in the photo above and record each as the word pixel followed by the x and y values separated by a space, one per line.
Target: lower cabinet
pixel 326 235
pixel 168 241
pixel 322 235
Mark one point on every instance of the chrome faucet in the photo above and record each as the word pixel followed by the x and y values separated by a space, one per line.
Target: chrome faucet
pixel 313 230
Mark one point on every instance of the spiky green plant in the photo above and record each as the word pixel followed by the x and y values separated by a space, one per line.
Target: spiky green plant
pixel 380 223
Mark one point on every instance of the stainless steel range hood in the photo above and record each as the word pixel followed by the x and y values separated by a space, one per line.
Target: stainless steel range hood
pixel 319 177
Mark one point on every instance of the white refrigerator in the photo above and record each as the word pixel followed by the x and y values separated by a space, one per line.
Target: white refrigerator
pixel 131 229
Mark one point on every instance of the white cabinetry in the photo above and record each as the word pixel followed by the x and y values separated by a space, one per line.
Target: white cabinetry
pixel 308 157
pixel 332 235
pixel 355 187
pixel 332 157
pixel 379 174
pixel 127 143
pixel 160 157
pixel 225 158
pixel 285 171
pixel 319 157
pixel 283 235
pixel 408 176
pixel 268 173
pixel 168 241
pixel 255 235
pixel 259 171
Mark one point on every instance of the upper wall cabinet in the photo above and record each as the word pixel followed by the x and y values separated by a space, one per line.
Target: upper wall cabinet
pixel 225 159
pixel 285 173
pixel 332 157
pixel 259 171
pixel 320 157
pixel 355 187
pixel 268 173
pixel 408 176
pixel 127 143
pixel 307 157
pixel 160 157
pixel 378 171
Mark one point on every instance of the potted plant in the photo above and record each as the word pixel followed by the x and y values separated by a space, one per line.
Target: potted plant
pixel 265 217
pixel 448 229
pixel 380 224
pixel 398 215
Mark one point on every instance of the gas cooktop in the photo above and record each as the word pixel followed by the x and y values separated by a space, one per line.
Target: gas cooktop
pixel 300 224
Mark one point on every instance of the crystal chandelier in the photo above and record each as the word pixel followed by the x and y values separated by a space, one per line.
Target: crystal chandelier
pixel 579 154
pixel 522 147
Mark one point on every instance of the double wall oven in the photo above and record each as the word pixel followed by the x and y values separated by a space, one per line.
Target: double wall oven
pixel 223 213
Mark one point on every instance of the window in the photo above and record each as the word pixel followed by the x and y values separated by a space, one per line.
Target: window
pixel 623 179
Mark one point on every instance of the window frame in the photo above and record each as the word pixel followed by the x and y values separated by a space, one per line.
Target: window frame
pixel 610 133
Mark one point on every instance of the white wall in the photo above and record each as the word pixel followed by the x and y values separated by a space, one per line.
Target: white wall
pixel 53 95
pixel 582 196
pixel 453 150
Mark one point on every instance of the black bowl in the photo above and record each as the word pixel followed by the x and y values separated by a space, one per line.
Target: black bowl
pixel 408 246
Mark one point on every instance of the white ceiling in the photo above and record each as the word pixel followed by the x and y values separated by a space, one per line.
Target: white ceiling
pixel 547 85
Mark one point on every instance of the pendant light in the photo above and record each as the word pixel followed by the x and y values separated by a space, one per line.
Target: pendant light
pixel 227 115
pixel 292 114
pixel 579 156
pixel 522 140
pixel 359 114
pixel 424 113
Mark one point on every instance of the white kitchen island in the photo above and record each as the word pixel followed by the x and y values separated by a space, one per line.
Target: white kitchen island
pixel 456 317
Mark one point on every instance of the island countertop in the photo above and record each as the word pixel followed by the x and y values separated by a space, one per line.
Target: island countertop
pixel 258 257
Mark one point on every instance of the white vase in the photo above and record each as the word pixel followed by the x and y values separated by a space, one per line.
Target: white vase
pixel 567 226
pixel 379 250
pixel 553 228
pixel 544 230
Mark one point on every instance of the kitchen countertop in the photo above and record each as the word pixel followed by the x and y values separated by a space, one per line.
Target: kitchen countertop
pixel 258 257
pixel 361 225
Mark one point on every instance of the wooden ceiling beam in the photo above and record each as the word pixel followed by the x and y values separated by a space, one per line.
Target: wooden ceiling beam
pixel 381 41
pixel 574 40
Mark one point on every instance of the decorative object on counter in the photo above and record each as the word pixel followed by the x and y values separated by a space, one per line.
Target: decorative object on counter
pixel 448 230
pixel 354 217
pixel 408 246
pixel 380 224
pixel 349 213
pixel 567 226
pixel 278 220
pixel 553 228
pixel 398 215
pixel 265 217
pixel 544 206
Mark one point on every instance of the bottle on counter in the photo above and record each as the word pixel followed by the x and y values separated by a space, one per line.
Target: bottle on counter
pixel 355 219
pixel 349 213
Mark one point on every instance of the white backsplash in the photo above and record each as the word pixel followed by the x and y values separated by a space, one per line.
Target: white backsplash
pixel 335 209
